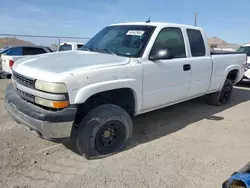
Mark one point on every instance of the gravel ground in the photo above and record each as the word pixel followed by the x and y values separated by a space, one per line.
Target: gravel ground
pixel 186 145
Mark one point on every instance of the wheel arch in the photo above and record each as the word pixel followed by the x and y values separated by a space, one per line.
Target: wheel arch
pixel 123 95
pixel 232 73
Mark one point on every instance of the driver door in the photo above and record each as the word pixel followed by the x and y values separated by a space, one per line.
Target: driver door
pixel 166 81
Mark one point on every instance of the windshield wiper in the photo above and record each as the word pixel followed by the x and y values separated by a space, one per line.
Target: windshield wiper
pixel 100 49
pixel 124 54
pixel 103 49
pixel 110 51
pixel 84 48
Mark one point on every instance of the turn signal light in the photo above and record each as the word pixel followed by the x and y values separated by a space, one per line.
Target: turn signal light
pixel 51 104
pixel 60 104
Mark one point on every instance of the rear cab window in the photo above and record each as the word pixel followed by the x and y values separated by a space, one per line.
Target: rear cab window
pixel 79 46
pixel 65 47
pixel 196 42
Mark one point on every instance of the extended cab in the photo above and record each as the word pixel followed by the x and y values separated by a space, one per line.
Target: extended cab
pixel 90 95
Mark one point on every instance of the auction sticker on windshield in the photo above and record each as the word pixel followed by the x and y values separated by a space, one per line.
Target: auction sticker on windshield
pixel 135 32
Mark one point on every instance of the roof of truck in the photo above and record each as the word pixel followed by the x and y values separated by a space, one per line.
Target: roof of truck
pixel 70 43
pixel 158 24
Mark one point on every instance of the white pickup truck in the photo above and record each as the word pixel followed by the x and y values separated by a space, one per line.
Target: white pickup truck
pixel 246 49
pixel 90 95
pixel 66 46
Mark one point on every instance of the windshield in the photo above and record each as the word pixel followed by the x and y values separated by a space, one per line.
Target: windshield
pixel 124 40
pixel 245 49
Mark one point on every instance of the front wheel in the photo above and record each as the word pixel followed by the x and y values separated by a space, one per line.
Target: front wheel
pixel 223 96
pixel 103 131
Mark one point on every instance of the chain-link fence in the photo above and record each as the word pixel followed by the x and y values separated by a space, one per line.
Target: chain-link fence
pixel 50 41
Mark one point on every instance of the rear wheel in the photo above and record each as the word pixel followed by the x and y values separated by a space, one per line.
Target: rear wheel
pixel 103 131
pixel 223 96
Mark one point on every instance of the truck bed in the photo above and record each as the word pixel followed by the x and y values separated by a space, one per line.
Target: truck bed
pixel 221 52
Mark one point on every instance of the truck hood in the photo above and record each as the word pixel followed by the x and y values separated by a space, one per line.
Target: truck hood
pixel 60 62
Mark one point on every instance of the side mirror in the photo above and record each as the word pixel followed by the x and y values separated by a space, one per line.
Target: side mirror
pixel 161 54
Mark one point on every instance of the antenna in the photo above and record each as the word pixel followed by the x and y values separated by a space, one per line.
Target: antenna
pixel 195 19
pixel 148 20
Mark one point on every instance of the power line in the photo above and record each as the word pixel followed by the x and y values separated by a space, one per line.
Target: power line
pixel 42 36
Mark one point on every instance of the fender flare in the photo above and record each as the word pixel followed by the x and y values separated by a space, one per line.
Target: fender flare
pixel 229 69
pixel 89 90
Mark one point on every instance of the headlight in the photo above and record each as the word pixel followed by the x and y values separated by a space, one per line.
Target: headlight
pixel 51 104
pixel 50 86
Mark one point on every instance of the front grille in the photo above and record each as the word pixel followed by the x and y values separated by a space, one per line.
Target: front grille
pixel 23 80
pixel 26 96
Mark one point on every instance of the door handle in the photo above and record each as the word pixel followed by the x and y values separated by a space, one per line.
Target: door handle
pixel 186 67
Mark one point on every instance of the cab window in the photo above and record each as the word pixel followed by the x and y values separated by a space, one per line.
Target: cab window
pixel 196 43
pixel 65 47
pixel 171 39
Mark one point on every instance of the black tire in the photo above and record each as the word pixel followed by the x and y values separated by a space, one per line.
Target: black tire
pixel 90 139
pixel 223 96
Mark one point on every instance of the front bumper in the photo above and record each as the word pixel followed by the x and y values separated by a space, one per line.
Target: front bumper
pixel 50 125
pixel 245 79
pixel 246 76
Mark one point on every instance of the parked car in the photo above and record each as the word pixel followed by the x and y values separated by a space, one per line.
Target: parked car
pixel 66 46
pixel 246 49
pixel 90 95
pixel 12 54
pixel 2 51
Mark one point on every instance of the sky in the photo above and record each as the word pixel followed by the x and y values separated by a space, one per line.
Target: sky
pixel 227 19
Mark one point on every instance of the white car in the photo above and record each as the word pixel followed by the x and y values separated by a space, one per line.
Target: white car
pixel 90 95
pixel 12 54
pixel 246 49
pixel 66 46
pixel 2 51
